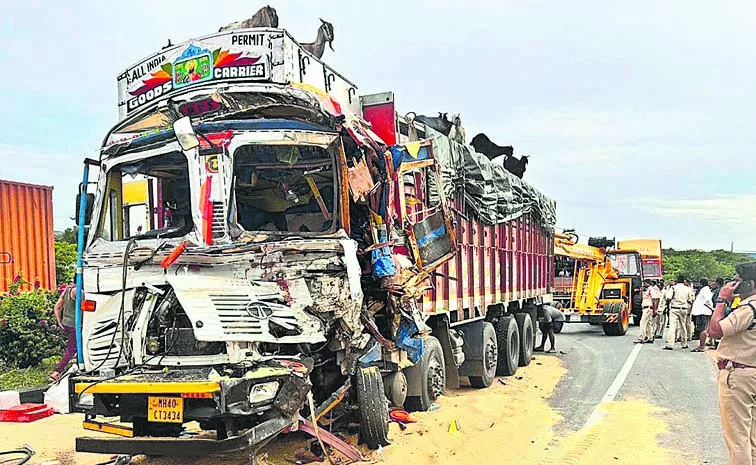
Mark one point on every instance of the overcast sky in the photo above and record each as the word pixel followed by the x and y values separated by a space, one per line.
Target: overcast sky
pixel 637 115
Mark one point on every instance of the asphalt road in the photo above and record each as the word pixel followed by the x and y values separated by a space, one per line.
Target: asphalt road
pixel 680 382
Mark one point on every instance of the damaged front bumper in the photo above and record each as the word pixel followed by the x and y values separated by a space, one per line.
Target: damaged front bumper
pixel 187 447
pixel 152 408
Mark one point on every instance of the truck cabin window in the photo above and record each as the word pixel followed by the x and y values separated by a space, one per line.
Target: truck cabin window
pixel 625 264
pixel 148 198
pixel 285 188
pixel 651 269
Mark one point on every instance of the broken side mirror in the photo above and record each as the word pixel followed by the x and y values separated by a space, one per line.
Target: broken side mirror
pixel 87 211
pixel 185 134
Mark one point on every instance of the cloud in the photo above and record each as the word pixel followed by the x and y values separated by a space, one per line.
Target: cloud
pixel 732 212
pixel 62 171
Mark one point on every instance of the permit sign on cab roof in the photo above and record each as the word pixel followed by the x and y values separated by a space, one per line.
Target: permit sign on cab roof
pixel 242 55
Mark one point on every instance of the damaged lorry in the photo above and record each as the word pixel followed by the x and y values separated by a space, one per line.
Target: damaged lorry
pixel 262 248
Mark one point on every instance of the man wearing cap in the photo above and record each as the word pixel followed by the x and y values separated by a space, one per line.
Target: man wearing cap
pixel 682 297
pixel 651 296
pixel 736 359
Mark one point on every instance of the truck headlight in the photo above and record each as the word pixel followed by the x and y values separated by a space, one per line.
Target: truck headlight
pixel 263 392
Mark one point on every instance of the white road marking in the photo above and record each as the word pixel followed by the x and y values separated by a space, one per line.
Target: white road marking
pixel 614 388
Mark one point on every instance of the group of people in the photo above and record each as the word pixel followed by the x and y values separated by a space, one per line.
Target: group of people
pixel 686 310
pixel 715 312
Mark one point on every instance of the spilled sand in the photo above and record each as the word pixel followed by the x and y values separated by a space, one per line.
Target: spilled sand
pixel 511 422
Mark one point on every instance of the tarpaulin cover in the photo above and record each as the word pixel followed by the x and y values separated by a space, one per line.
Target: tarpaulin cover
pixel 491 193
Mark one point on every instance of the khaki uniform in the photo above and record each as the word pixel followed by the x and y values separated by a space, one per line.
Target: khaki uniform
pixel 647 320
pixel 737 386
pixel 679 307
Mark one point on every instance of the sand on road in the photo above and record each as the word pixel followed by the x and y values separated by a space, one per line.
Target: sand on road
pixel 510 422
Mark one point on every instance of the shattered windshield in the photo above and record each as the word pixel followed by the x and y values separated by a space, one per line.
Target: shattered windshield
pixel 284 188
pixel 147 198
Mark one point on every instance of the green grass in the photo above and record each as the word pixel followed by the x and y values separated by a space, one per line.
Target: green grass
pixel 23 378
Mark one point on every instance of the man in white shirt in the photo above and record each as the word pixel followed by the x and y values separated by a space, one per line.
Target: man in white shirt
pixel 702 308
pixel 679 305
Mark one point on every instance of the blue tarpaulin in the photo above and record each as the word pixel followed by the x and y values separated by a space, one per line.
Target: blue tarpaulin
pixel 406 341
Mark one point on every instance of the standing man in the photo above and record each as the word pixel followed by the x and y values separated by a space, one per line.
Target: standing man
pixel 65 311
pixel 678 313
pixel 664 309
pixel 651 296
pixel 736 359
pixel 702 308
pixel 689 318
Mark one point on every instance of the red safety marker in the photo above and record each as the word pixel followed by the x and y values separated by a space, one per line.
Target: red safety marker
pixel 173 256
pixel 25 413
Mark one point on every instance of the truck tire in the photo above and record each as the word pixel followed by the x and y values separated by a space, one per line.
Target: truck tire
pixel 430 375
pixel 489 356
pixel 373 407
pixel 508 343
pixel 557 326
pixel 618 328
pixel 525 327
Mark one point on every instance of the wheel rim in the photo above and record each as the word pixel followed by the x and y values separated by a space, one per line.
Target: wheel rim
pixel 435 379
pixel 625 319
pixel 490 356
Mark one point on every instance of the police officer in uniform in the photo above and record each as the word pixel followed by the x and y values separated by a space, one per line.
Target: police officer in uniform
pixel 679 305
pixel 651 296
pixel 736 359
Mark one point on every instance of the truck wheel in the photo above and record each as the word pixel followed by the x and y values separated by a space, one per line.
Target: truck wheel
pixel 395 385
pixel 525 328
pixel 488 363
pixel 373 407
pixel 618 328
pixel 508 342
pixel 429 374
pixel 557 326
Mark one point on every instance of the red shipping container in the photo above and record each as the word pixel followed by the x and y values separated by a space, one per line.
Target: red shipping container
pixel 27 239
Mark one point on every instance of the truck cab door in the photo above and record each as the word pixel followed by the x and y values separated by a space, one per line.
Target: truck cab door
pixel 425 212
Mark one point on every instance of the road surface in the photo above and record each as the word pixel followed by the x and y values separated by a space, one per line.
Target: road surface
pixel 601 400
pixel 679 383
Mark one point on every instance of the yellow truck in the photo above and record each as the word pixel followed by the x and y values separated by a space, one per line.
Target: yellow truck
pixel 596 284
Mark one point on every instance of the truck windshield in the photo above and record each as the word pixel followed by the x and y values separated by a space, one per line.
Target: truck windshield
pixel 652 270
pixel 284 188
pixel 147 198
pixel 626 264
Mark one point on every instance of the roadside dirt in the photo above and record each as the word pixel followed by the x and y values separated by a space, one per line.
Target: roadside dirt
pixel 510 419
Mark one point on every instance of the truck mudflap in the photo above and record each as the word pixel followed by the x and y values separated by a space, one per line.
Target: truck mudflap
pixel 186 447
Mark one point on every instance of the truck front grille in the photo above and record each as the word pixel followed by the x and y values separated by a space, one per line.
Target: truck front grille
pixel 241 315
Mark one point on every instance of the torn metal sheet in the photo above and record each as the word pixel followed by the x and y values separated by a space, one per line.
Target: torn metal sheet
pixel 360 180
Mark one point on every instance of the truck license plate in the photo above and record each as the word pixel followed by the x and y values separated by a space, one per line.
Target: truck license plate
pixel 575 318
pixel 165 409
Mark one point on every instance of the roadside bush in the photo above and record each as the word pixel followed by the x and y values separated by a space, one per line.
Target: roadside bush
pixel 28 329
pixel 65 262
